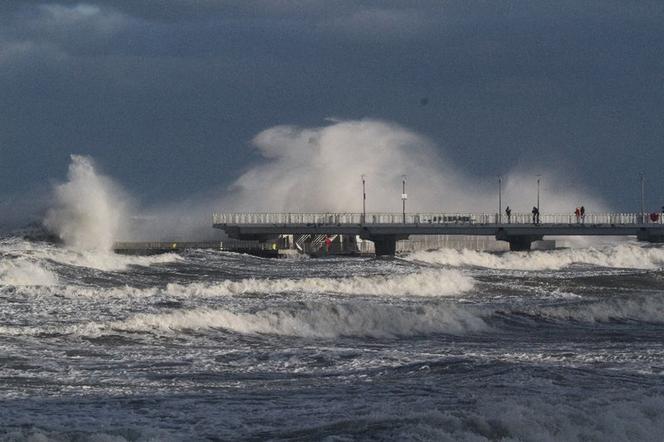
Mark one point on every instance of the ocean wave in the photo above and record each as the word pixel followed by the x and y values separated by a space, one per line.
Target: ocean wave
pixel 110 261
pixel 307 320
pixel 627 255
pixel 643 308
pixel 20 272
pixel 543 418
pixel 99 260
pixel 429 283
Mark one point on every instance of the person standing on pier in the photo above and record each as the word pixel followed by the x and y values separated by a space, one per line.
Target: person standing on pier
pixel 577 213
pixel 583 214
pixel 508 212
pixel 536 218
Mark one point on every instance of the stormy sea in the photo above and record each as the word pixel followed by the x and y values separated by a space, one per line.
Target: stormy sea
pixel 440 345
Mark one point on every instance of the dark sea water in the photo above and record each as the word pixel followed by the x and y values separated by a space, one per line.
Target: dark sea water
pixel 445 345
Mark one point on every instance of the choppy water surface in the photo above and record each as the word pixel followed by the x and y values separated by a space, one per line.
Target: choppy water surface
pixel 445 345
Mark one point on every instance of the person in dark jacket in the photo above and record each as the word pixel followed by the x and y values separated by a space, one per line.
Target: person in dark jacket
pixel 508 212
pixel 536 218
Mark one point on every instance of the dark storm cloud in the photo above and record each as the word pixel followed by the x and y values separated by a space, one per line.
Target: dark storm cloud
pixel 167 94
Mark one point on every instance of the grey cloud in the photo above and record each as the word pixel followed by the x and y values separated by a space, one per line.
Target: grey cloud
pixel 167 96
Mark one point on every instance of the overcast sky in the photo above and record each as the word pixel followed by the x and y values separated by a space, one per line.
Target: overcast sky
pixel 167 95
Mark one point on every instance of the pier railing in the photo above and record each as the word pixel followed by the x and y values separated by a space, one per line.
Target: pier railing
pixel 432 218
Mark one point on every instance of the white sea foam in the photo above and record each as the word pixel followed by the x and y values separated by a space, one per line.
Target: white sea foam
pixel 308 320
pixel 627 255
pixel 109 261
pixel 97 259
pixel 20 272
pixel 429 283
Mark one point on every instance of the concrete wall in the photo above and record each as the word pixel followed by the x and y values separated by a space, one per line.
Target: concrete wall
pixel 429 242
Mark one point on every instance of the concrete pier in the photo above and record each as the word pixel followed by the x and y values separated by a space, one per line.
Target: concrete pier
pixel 159 247
pixel 385 229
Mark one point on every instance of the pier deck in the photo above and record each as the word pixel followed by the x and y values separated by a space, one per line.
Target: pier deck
pixel 384 229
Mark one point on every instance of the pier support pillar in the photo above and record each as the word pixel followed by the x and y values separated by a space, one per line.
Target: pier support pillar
pixel 385 245
pixel 646 235
pixel 518 243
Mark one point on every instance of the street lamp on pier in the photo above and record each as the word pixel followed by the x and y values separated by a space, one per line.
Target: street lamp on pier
pixel 404 196
pixel 500 199
pixel 538 192
pixel 643 196
pixel 364 200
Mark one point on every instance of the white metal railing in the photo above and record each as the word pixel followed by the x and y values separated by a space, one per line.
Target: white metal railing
pixel 433 218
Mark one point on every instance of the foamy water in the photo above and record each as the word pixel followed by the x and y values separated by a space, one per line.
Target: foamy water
pixel 628 255
pixel 444 345
pixel 22 272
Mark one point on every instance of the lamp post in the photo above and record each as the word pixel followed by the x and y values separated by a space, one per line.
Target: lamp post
pixel 643 197
pixel 364 200
pixel 500 199
pixel 538 192
pixel 404 196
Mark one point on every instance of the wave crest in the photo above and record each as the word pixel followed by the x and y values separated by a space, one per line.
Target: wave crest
pixel 430 283
pixel 25 273
pixel 310 320
pixel 619 256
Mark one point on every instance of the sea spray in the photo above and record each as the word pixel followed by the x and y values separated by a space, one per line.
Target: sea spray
pixel 319 169
pixel 88 210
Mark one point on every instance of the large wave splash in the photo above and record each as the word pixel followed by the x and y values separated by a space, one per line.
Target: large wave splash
pixel 89 208
pixel 319 169
pixel 626 255
pixel 308 320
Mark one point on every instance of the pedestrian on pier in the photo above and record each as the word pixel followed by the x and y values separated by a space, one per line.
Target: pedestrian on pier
pixel 583 214
pixel 536 218
pixel 508 212
pixel 577 213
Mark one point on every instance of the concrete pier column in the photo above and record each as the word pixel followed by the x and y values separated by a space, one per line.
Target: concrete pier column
pixel 647 235
pixel 385 245
pixel 518 243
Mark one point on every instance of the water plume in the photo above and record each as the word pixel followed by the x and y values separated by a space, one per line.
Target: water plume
pixel 319 169
pixel 89 209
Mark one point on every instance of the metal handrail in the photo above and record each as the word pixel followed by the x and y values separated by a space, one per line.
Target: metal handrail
pixel 349 218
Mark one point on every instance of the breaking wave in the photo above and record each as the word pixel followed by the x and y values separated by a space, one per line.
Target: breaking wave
pixel 308 320
pixel 109 261
pixel 34 255
pixel 429 283
pixel 619 256
pixel 25 273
